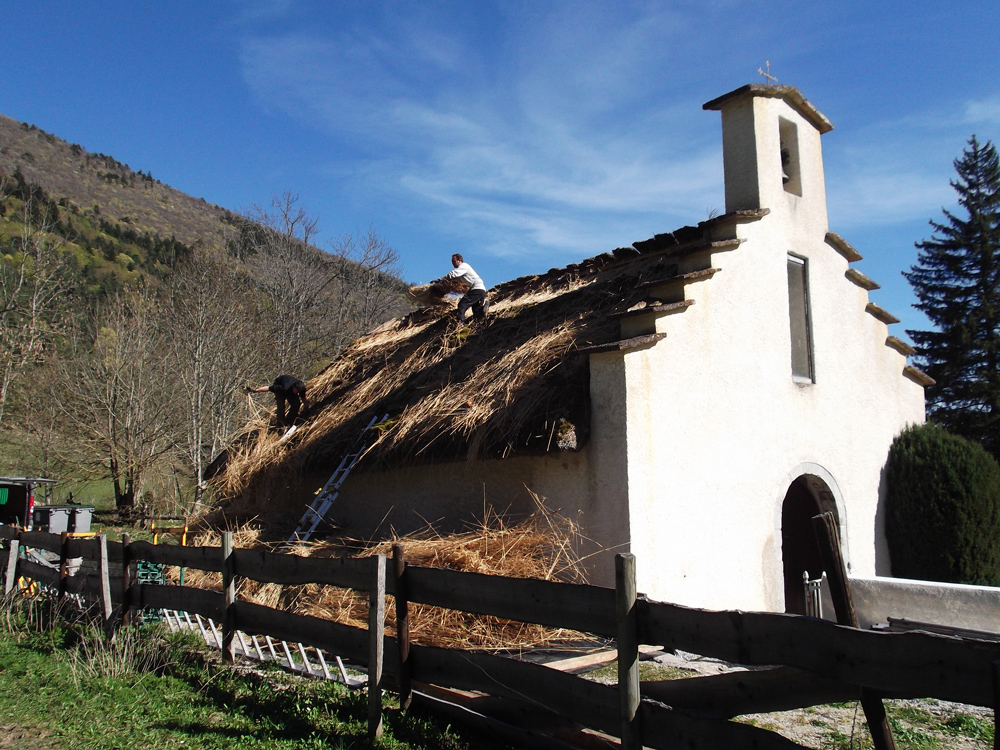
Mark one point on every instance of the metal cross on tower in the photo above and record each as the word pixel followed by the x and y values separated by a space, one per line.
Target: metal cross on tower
pixel 766 72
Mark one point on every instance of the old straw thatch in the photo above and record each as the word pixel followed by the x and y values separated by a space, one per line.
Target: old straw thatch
pixel 461 392
pixel 541 546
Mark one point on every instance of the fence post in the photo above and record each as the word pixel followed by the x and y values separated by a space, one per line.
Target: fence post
pixel 228 597
pixel 126 617
pixel 402 627
pixel 63 563
pixel 107 612
pixel 376 636
pixel 628 650
pixel 828 537
pixel 10 572
pixel 996 703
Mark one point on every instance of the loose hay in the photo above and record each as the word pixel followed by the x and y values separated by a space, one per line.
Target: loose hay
pixel 541 546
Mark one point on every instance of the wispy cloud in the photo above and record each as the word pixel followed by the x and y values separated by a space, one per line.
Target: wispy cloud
pixel 983 111
pixel 547 158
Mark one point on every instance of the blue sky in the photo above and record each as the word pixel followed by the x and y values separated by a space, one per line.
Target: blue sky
pixel 523 135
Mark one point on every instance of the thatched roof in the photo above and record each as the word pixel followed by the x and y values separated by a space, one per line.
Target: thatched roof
pixel 516 384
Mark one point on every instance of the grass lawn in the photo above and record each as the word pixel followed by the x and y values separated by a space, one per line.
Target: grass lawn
pixel 60 687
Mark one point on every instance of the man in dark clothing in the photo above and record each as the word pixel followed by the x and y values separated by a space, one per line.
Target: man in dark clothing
pixel 286 388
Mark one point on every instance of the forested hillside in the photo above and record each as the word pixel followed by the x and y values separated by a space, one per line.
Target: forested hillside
pixel 133 316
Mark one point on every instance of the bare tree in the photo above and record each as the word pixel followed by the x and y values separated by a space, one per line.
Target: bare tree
pixel 117 396
pixel 215 327
pixel 33 280
pixel 367 289
pixel 275 245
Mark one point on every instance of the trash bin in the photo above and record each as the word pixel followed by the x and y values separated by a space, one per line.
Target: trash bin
pixel 56 519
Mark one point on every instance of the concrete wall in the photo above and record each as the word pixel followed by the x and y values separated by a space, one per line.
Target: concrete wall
pixel 949 604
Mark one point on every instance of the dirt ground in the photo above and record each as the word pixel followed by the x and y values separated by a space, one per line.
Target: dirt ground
pixel 918 724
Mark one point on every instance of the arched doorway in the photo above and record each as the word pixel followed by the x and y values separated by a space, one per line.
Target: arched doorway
pixel 807 496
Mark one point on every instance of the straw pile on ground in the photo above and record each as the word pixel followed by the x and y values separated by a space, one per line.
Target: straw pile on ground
pixel 542 547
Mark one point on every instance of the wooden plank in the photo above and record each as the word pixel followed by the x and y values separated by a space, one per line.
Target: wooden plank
pixel 228 597
pixel 724 696
pixel 87 586
pixel 201 558
pixel 514 734
pixel 103 571
pixel 628 652
pixel 38 572
pixel 41 540
pixel 923 664
pixel 293 570
pixel 590 703
pixel 996 704
pixel 181 598
pixel 576 664
pixel 128 572
pixel 376 630
pixel 334 637
pixel 399 577
pixel 10 566
pixel 588 609
pixel 88 548
pixel 828 537
pixel 63 564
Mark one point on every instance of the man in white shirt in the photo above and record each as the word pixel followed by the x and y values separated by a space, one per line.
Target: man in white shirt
pixel 476 296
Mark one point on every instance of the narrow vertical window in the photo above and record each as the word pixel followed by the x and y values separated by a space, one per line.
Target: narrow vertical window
pixel 798 314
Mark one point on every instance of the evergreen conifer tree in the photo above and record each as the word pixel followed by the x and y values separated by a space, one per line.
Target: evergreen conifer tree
pixel 957 283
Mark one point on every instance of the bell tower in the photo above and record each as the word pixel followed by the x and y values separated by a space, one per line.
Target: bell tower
pixel 771 151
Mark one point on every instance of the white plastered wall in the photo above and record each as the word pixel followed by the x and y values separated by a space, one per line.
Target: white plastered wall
pixel 718 428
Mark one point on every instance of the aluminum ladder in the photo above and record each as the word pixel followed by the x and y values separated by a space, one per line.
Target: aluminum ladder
pixel 251 648
pixel 318 510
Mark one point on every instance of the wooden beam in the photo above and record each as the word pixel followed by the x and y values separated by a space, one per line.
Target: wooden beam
pixel 628 651
pixel 107 608
pixel 403 679
pixel 228 597
pixel 739 693
pixel 828 537
pixel 376 630
pixel 588 609
pixel 125 617
pixel 293 570
pixel 932 666
pixel 10 567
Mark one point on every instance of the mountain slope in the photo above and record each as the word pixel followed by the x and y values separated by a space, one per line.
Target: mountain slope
pixel 120 194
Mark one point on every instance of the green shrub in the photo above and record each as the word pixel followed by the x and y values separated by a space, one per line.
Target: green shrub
pixel 943 508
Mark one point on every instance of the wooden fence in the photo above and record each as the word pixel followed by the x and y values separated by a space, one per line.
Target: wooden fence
pixel 820 661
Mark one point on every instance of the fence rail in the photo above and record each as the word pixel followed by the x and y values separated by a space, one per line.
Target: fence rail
pixel 819 661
